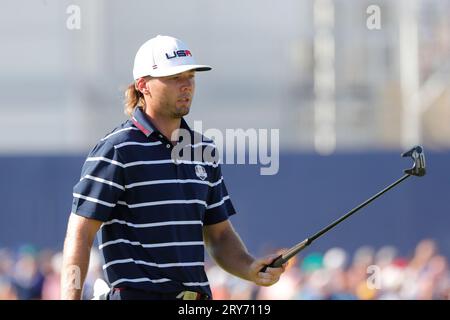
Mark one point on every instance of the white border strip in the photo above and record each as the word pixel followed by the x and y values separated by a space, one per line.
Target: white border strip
pixel 118 131
pixel 151 182
pixel 108 182
pixel 77 195
pixel 151 245
pixel 155 224
pixel 152 264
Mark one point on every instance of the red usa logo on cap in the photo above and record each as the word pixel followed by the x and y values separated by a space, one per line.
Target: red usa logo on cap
pixel 179 53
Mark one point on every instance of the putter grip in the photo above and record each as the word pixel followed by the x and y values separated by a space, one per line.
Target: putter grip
pixel 274 264
pixel 282 258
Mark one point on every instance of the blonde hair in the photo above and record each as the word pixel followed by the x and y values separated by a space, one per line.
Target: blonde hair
pixel 133 99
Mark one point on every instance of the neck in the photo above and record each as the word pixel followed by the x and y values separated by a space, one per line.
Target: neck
pixel 165 125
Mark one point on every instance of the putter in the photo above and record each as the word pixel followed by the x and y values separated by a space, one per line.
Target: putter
pixel 418 170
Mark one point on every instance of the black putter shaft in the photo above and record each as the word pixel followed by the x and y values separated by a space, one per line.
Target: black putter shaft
pixel 418 170
pixel 301 245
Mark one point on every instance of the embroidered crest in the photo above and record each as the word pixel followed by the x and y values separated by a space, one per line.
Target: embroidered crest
pixel 200 172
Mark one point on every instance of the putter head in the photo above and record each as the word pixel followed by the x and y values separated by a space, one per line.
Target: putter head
pixel 418 155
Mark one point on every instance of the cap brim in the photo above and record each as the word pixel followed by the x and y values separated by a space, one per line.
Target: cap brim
pixel 179 69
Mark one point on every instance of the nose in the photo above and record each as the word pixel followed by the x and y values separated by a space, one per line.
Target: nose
pixel 187 84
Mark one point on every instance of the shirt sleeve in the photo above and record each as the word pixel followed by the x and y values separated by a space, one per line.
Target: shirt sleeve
pixel 101 184
pixel 219 206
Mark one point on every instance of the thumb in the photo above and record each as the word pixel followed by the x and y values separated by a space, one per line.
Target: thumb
pixel 269 259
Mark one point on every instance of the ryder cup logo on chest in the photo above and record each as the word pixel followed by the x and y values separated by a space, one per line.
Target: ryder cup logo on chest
pixel 200 172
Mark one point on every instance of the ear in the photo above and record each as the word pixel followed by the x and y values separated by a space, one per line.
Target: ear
pixel 141 85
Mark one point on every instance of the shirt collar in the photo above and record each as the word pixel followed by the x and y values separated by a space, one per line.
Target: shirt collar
pixel 143 123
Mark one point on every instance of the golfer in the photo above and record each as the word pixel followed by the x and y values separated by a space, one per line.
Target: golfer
pixel 156 213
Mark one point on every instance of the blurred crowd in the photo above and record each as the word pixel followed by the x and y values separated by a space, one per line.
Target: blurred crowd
pixel 334 275
pixel 368 274
pixel 31 274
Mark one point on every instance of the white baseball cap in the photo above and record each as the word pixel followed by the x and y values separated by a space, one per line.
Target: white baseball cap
pixel 164 56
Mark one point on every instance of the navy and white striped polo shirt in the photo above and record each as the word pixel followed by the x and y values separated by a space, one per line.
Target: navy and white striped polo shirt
pixel 152 208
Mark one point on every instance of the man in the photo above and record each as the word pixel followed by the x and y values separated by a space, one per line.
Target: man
pixel 156 212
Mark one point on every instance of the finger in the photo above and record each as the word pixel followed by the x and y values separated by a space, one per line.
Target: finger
pixel 265 275
pixel 274 271
pixel 267 281
pixel 269 259
pixel 264 262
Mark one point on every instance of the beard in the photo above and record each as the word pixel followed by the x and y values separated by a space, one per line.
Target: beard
pixel 171 107
pixel 179 109
pixel 180 112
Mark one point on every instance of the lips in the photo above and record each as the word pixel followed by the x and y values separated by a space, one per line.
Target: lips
pixel 184 99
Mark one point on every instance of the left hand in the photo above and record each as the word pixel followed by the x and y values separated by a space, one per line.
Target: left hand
pixel 270 276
